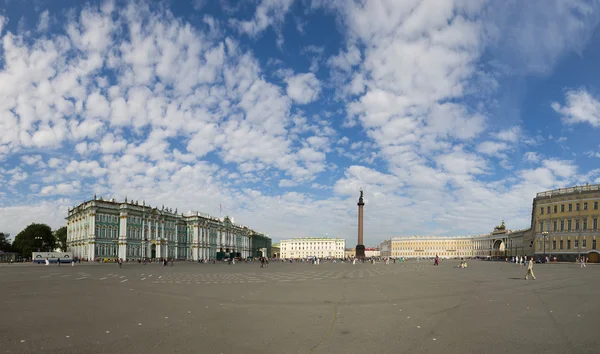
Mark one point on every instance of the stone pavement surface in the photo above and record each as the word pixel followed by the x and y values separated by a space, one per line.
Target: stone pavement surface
pixel 299 308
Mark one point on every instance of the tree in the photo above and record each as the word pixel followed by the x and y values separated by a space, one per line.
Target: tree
pixel 61 238
pixel 5 245
pixel 35 237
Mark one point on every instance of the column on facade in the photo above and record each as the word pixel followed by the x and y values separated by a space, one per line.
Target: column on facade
pixel 163 236
pixel 123 236
pixel 176 241
pixel 144 250
pixel 90 247
pixel 205 238
pixel 195 242
pixel 156 237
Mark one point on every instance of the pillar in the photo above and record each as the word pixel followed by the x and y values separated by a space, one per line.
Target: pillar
pixel 144 246
pixel 195 243
pixel 122 251
pixel 360 247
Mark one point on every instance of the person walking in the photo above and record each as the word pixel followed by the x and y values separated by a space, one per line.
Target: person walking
pixel 530 269
pixel 582 263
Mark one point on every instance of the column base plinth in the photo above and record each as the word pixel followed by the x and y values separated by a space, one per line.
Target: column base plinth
pixel 360 251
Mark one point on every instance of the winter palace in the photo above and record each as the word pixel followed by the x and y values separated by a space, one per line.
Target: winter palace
pixel 129 230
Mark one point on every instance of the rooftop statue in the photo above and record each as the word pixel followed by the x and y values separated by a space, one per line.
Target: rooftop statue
pixel 501 227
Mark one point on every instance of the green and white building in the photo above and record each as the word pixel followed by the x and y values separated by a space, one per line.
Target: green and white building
pixel 130 230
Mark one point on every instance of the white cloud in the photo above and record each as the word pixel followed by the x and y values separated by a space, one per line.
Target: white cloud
pixel 511 135
pixel 491 147
pixel 532 156
pixel 592 153
pixel 61 189
pixel 303 88
pixel 44 22
pixel 580 107
pixel 31 159
pixel 268 13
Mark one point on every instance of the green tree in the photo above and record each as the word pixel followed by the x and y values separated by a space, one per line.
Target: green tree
pixel 35 237
pixel 4 242
pixel 61 238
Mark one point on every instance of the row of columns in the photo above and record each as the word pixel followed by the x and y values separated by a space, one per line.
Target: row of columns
pixel 200 244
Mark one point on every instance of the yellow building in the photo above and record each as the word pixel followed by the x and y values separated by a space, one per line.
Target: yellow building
pixel 499 243
pixel 566 223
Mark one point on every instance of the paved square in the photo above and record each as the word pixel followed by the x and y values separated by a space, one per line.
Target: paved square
pixel 299 308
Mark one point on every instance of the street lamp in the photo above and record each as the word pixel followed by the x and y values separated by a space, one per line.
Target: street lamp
pixel 545 234
pixel 40 239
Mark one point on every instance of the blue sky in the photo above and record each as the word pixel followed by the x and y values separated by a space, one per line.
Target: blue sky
pixel 450 114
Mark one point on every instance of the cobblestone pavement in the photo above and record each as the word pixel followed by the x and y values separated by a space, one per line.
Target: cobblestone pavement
pixel 298 308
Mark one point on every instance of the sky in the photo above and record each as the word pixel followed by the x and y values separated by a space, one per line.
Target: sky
pixel 449 114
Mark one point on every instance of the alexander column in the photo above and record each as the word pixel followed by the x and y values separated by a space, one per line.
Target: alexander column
pixel 360 247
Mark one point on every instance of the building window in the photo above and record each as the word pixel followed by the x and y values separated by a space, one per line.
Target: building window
pixel 595 224
pixel 576 224
pixel 570 207
pixel 585 223
pixel 555 209
pixel 562 208
pixel 569 244
pixel 576 243
pixel 595 205
pixel 541 226
pixel 577 206
pixel 585 206
pixel 542 210
pixel 569 224
pixel 562 225
pixel 594 244
pixel 561 244
pixel 584 243
pixel 555 225
pixel 553 244
pixel 548 210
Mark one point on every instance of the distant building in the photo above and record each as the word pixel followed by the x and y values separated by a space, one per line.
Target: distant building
pixel 8 257
pixel 372 252
pixel 276 250
pixel 305 247
pixel 498 243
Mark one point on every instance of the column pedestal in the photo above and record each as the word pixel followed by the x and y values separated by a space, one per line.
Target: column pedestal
pixel 360 251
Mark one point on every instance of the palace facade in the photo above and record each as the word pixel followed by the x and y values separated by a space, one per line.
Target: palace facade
pixel 305 247
pixel 129 230
pixel 565 221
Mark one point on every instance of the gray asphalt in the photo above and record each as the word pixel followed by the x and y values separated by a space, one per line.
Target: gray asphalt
pixel 299 308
